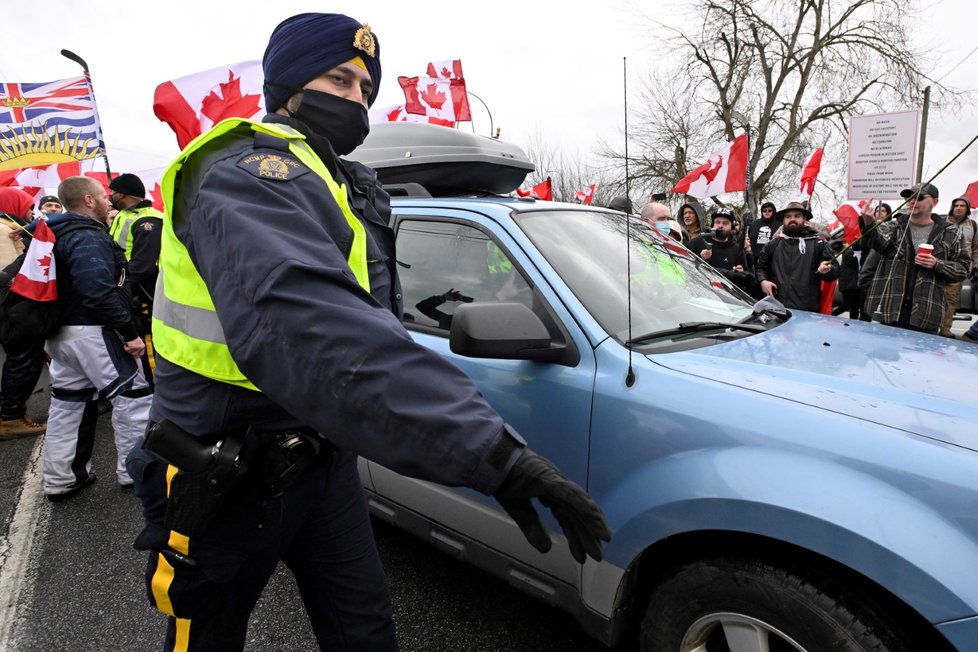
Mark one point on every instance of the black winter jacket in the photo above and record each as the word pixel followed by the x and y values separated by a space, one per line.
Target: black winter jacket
pixel 791 263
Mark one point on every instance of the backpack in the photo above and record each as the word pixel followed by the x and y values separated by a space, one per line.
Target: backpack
pixel 24 320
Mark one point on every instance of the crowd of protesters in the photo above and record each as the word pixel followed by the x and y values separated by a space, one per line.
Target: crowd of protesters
pixel 905 269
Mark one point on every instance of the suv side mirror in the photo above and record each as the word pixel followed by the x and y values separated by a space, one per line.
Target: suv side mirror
pixel 501 330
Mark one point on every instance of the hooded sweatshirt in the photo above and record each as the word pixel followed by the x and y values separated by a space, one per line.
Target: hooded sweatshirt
pixel 967 230
pixel 687 235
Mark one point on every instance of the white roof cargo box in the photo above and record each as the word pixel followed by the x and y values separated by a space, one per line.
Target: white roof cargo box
pixel 443 160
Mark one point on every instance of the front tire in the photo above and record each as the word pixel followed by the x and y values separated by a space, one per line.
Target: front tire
pixel 737 605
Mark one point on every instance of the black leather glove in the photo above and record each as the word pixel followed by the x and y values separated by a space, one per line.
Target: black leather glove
pixel 579 516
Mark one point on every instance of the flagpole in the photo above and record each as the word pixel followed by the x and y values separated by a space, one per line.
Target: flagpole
pixel 492 129
pixel 68 54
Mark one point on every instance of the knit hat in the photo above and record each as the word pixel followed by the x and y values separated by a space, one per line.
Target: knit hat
pixel 306 45
pixel 46 198
pixel 16 202
pixel 128 184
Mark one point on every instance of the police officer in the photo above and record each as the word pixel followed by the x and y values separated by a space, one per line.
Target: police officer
pixel 137 228
pixel 281 357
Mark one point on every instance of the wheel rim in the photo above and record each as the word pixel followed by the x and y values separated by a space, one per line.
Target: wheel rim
pixel 731 632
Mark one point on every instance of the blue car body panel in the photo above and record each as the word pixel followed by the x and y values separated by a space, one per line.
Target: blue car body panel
pixel 854 441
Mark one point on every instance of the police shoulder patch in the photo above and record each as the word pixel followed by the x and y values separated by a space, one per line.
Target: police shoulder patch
pixel 147 226
pixel 273 167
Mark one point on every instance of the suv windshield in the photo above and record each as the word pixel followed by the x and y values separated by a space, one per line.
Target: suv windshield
pixel 670 285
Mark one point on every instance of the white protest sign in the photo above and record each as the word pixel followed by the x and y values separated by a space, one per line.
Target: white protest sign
pixel 882 154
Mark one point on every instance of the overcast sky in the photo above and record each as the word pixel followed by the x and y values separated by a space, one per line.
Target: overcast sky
pixel 545 69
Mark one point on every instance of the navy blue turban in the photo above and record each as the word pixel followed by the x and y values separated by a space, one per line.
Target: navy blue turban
pixel 306 45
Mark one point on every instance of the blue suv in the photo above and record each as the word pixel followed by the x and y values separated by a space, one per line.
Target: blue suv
pixel 774 480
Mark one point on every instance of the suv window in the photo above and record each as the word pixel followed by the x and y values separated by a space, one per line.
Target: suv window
pixel 443 264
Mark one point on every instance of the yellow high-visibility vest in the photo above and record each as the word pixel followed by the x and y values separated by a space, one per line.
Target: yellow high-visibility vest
pixel 121 229
pixel 186 329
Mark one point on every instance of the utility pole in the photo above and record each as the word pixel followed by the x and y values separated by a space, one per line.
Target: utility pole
pixel 923 135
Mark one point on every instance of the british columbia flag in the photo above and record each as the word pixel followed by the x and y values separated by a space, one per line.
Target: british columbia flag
pixel 48 122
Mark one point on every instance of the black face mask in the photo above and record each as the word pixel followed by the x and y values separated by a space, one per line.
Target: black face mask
pixel 344 123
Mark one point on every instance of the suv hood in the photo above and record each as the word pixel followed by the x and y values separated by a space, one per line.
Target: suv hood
pixel 922 384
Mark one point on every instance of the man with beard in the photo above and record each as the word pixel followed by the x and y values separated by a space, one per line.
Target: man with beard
pixel 791 268
pixel 909 286
pixel 278 337
pixel 721 249
pixel 94 354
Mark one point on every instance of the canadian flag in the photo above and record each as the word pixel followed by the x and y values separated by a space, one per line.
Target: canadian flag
pixel 543 190
pixel 809 172
pixel 451 69
pixel 848 214
pixel 585 196
pixel 35 180
pixel 724 171
pixel 37 279
pixel 436 97
pixel 398 113
pixel 193 104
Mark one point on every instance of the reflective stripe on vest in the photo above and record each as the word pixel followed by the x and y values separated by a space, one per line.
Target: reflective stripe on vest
pixel 186 329
pixel 121 229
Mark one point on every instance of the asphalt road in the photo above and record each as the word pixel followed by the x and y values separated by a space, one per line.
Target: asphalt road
pixel 70 579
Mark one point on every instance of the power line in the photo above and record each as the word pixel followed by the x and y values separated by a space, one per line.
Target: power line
pixel 968 56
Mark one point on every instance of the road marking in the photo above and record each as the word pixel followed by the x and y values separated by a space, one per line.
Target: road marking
pixel 15 548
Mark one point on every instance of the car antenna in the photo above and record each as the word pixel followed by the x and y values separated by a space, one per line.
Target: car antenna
pixel 630 374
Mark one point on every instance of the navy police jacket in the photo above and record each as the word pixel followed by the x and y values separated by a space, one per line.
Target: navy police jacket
pixel 325 353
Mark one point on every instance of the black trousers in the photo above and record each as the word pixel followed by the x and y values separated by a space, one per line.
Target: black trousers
pixel 21 371
pixel 319 529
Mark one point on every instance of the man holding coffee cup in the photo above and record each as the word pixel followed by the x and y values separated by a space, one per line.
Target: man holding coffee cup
pixel 920 255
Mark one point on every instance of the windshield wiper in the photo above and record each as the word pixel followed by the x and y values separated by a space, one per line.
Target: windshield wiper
pixel 697 327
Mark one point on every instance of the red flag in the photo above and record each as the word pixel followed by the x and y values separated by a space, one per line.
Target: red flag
pixel 193 104
pixel 827 296
pixel 436 97
pixel 585 196
pixel 809 172
pixel 398 113
pixel 971 194
pixel 451 69
pixel 37 278
pixel 848 214
pixel 724 171
pixel 543 190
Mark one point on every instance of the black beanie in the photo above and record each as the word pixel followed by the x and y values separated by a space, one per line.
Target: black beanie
pixel 128 184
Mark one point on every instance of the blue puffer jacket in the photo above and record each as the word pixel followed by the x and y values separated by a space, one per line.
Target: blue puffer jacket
pixel 91 269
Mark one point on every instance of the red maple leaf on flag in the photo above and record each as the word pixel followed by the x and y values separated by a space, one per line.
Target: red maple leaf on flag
pixel 45 263
pixel 711 172
pixel 156 194
pixel 433 97
pixel 232 104
pixel 394 115
pixel 445 72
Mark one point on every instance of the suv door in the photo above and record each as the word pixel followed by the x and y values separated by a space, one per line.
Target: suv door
pixel 444 261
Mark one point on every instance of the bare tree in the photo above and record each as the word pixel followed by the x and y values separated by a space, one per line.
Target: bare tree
pixel 791 71
pixel 568 174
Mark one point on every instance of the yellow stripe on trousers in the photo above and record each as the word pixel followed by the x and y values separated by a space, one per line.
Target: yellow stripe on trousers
pixel 163 576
